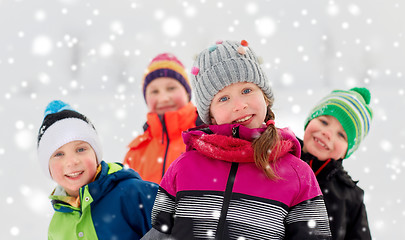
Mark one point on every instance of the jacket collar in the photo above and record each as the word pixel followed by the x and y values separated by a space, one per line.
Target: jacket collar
pixel 328 171
pixel 179 120
pixel 107 179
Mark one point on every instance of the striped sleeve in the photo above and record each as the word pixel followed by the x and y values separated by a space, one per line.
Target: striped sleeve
pixel 163 211
pixel 308 220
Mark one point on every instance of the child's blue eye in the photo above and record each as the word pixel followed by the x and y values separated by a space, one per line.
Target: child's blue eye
pixel 223 99
pixel 324 122
pixel 81 149
pixel 247 90
pixel 58 154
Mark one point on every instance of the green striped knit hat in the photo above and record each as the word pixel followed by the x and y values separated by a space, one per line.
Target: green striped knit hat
pixel 351 108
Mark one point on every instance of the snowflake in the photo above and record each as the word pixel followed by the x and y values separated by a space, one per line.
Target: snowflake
pixel 164 228
pixel 311 223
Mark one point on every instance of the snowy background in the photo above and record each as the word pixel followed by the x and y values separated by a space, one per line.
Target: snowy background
pixel 92 54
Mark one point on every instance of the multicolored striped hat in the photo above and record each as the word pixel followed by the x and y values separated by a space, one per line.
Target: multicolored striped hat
pixel 166 65
pixel 351 108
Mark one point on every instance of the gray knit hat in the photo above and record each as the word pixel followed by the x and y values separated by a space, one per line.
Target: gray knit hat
pixel 221 65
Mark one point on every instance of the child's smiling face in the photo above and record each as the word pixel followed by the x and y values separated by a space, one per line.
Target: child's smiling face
pixel 242 103
pixel 325 138
pixel 73 165
pixel 165 94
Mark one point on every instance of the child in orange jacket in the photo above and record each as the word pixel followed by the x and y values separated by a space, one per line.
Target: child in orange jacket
pixel 167 94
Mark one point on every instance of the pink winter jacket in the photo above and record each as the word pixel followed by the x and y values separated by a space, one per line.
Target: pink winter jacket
pixel 215 190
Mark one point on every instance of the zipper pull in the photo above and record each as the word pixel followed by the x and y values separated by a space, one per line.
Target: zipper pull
pixel 235 132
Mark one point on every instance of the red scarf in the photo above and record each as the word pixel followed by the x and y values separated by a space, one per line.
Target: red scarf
pixel 230 149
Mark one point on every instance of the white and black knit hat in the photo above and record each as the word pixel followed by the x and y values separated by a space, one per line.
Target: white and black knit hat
pixel 62 125
pixel 221 65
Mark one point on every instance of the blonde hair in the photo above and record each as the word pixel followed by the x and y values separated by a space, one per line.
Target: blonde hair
pixel 266 144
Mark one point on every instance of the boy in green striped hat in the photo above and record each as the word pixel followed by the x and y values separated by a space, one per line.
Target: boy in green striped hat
pixel 334 129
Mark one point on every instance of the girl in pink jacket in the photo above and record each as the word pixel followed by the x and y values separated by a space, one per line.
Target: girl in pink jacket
pixel 240 177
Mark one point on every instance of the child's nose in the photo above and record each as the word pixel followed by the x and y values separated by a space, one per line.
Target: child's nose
pixel 327 133
pixel 164 96
pixel 240 105
pixel 73 160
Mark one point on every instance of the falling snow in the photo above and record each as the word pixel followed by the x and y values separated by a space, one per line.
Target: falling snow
pixel 93 56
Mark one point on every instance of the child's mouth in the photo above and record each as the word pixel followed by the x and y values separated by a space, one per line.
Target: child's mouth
pixel 243 119
pixel 74 174
pixel 322 144
pixel 167 108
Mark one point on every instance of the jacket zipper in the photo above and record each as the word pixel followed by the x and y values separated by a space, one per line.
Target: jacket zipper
pixel 227 194
pixel 164 132
pixel 227 199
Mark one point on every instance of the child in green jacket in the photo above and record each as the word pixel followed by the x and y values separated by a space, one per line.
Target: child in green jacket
pixel 93 199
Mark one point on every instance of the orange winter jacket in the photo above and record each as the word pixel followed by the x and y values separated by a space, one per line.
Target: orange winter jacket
pixel 151 153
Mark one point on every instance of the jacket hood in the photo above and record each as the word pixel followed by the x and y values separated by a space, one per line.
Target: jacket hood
pixel 233 142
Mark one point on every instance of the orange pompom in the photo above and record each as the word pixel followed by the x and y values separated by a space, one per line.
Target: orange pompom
pixel 244 43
